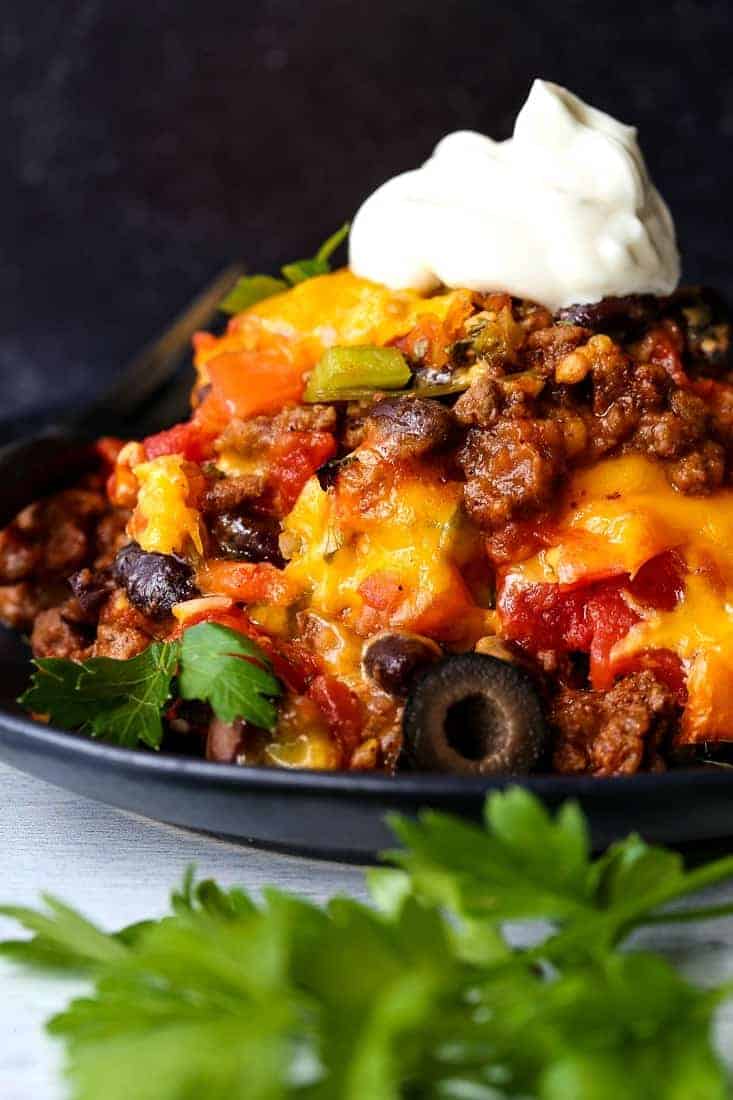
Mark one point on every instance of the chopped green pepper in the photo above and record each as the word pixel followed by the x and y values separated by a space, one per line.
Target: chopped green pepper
pixel 349 374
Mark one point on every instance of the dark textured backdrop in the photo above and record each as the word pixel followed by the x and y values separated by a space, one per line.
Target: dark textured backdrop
pixel 144 144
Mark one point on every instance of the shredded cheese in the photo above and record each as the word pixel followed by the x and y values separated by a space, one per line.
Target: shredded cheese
pixel 163 521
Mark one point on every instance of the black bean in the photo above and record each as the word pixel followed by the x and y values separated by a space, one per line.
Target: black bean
pixel 153 582
pixel 627 316
pixel 248 538
pixel 91 588
pixel 392 660
pixel 415 425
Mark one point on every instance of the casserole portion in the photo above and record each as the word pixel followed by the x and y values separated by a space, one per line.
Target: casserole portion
pixel 375 483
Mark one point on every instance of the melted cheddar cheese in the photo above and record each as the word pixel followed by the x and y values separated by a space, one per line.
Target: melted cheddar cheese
pixel 620 514
pixel 398 567
pixel 163 521
pixel 335 309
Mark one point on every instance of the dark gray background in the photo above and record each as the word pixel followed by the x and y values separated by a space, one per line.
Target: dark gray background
pixel 145 144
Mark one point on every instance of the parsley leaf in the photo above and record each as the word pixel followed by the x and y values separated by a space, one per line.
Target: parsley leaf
pixel 300 270
pixel 218 666
pixel 123 701
pixel 236 999
pixel 117 701
pixel 593 904
pixel 250 289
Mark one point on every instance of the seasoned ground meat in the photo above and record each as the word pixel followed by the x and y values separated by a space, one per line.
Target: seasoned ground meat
pixel 670 434
pixel 18 556
pixel 20 603
pixel 618 732
pixel 511 470
pixel 253 437
pixel 481 404
pixel 547 347
pixel 52 537
pixel 699 472
pixel 230 493
pixel 56 636
pixel 123 631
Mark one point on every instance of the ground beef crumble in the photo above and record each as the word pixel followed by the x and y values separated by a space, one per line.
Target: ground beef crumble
pixel 618 732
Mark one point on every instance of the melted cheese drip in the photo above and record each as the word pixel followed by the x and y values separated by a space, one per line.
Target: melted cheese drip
pixel 418 537
pixel 616 516
pixel 330 310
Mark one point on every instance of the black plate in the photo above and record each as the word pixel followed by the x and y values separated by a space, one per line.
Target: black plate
pixel 332 814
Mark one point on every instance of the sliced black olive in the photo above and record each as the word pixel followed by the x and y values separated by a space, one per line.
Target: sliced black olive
pixel 474 715
pixel 391 660
pixel 248 538
pixel 153 582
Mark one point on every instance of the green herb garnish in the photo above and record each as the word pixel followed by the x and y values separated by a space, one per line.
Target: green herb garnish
pixel 123 701
pixel 217 665
pixel 251 289
pixel 349 374
pixel 423 998
pixel 320 264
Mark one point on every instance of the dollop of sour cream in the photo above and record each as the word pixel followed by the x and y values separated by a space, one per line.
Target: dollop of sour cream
pixel 562 212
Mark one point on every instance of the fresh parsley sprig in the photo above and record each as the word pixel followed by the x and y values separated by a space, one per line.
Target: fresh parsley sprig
pixel 123 701
pixel 422 997
pixel 250 289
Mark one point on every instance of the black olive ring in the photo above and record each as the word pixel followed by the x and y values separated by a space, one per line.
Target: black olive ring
pixel 471 714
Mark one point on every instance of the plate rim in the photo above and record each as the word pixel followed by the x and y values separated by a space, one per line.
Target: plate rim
pixel 410 786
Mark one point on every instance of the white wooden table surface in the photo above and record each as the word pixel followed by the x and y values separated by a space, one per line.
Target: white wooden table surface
pixel 117 868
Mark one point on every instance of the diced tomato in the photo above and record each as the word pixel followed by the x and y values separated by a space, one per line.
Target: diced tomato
pixel 660 582
pixel 666 351
pixel 253 382
pixel 447 614
pixel 295 458
pixel 382 591
pixel 233 617
pixel 203 341
pixel 191 439
pixel 246 581
pixel 665 665
pixel 341 708
pixel 427 342
pixel 292 663
pixel 589 619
